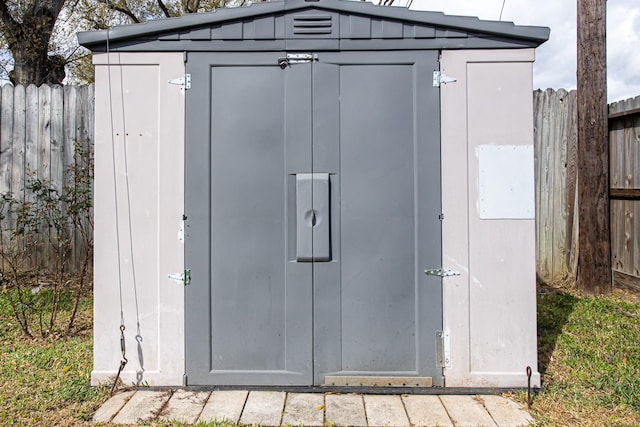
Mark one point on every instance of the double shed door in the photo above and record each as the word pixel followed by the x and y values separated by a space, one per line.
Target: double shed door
pixel 312 205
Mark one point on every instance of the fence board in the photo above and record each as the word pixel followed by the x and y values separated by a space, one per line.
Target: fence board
pixel 31 131
pixel 57 136
pixel 88 126
pixel 31 153
pixel 69 126
pixel 571 244
pixel 83 137
pixel 6 156
pixel 84 114
pixel 44 132
pixel 6 146
pixel 19 141
pixel 636 240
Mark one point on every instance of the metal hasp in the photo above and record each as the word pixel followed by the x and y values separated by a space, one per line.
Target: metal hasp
pixel 443 349
pixel 441 272
pixel 297 58
pixel 439 78
pixel 185 82
pixel 184 277
pixel 312 217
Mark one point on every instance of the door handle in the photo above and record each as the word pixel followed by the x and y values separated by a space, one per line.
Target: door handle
pixel 312 217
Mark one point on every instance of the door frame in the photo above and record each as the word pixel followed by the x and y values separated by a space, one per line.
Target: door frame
pixel 197 170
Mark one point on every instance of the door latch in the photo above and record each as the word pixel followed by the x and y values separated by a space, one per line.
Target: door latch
pixel 441 272
pixel 297 58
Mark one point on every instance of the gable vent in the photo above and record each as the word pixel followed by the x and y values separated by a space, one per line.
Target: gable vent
pixel 312 24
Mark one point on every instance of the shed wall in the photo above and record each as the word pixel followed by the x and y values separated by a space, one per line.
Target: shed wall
pixel 489 221
pixel 139 187
pixel 489 310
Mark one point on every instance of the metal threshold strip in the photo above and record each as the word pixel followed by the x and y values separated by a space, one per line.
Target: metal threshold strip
pixel 370 381
pixel 354 389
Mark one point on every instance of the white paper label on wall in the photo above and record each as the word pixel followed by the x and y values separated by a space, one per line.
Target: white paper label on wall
pixel 506 181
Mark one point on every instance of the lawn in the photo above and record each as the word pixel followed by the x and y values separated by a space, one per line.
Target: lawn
pixel 589 359
pixel 45 380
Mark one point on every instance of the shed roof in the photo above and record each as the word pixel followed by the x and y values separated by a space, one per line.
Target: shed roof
pixel 314 24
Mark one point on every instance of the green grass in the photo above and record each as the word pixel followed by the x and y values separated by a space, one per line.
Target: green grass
pixel 590 359
pixel 589 351
pixel 45 381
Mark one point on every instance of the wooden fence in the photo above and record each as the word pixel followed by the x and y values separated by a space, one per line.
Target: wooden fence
pixel 624 139
pixel 555 126
pixel 38 129
pixel 555 142
pixel 39 126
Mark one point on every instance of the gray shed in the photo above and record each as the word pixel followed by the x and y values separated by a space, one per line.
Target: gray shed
pixel 315 193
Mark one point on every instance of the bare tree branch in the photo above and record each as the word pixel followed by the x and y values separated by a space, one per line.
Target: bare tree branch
pixel 122 10
pixel 164 8
pixel 77 58
pixel 193 8
pixel 7 19
pixel 72 7
pixel 6 71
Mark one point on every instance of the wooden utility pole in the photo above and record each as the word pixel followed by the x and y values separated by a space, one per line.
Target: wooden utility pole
pixel 594 247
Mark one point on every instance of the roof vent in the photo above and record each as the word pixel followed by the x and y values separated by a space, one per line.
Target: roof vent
pixel 312 24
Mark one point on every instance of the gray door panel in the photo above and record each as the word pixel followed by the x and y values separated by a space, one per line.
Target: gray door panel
pixel 252 323
pixel 261 309
pixel 376 312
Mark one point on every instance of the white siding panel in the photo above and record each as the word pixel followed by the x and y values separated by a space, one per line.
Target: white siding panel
pixel 490 309
pixel 138 208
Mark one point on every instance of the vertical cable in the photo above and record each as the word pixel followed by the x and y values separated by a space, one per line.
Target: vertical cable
pixel 123 351
pixel 115 177
pixel 502 10
pixel 134 281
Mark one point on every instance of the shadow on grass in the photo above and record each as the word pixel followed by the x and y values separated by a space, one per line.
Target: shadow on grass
pixel 554 308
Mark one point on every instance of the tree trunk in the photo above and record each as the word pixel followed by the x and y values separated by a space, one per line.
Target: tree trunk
pixel 33 66
pixel 28 42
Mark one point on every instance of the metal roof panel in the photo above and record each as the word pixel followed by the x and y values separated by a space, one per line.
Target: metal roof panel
pixel 125 37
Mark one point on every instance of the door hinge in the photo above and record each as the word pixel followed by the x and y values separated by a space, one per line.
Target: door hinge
pixel 440 79
pixel 184 277
pixel 443 349
pixel 441 272
pixel 184 82
pixel 181 230
pixel 297 58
